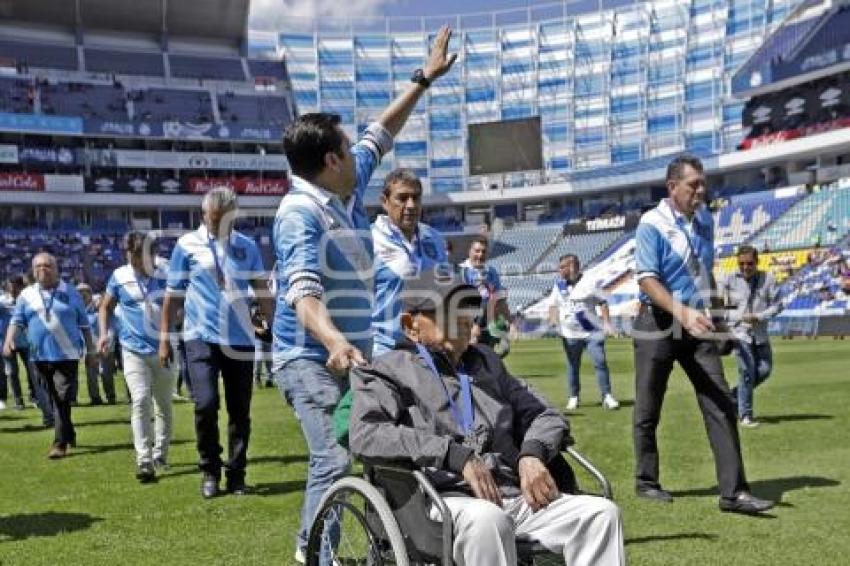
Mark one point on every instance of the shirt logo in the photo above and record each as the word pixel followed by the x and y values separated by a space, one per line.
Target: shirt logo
pixel 239 253
pixel 430 249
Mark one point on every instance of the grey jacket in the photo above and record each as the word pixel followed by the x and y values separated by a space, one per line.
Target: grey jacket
pixel 400 414
pixel 764 303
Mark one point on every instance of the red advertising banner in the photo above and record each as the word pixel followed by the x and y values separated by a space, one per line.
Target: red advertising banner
pixel 21 182
pixel 242 185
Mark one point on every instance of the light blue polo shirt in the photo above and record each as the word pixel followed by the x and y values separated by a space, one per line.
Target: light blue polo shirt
pixel 397 259
pixel 318 237
pixel 677 252
pixel 216 312
pixel 54 322
pixel 140 299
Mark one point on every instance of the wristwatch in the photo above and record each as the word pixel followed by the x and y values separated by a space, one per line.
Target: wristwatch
pixel 418 77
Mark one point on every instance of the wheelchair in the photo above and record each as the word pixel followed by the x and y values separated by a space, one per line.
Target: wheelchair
pixel 382 519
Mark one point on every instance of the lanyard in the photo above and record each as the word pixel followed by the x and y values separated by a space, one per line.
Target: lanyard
pixel 48 306
pixel 144 287
pixel 753 291
pixel 219 269
pixel 463 417
pixel 696 265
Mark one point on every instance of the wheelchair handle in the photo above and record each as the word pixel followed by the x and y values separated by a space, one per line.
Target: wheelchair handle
pixel 607 492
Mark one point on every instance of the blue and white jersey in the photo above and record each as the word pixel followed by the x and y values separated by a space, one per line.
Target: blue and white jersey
pixel 576 308
pixel 216 279
pixel 397 259
pixel 319 238
pixel 140 300
pixel 489 285
pixel 678 252
pixel 54 321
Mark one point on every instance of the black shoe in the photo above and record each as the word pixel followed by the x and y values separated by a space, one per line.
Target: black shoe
pixel 656 494
pixel 111 401
pixel 745 503
pixel 96 401
pixel 209 486
pixel 19 405
pixel 236 486
pixel 145 472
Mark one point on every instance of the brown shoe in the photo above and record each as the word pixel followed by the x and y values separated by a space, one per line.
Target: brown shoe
pixel 56 451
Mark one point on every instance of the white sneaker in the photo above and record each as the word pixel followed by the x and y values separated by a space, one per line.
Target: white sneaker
pixel 2 405
pixel 301 559
pixel 608 402
pixel 572 403
pixel 749 422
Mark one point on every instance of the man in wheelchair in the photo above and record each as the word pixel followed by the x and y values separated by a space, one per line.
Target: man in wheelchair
pixel 482 437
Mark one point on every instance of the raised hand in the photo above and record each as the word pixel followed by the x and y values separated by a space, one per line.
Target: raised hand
pixel 439 61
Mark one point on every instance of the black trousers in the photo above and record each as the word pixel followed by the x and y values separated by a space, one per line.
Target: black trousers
pixel 658 342
pixel 206 361
pixel 60 379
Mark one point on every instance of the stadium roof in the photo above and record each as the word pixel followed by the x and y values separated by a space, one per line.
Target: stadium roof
pixel 214 19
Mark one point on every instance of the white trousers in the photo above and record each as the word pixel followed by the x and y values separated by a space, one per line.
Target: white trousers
pixel 151 387
pixel 586 530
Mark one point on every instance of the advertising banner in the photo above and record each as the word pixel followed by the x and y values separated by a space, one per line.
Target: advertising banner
pixel 21 182
pixel 141 159
pixel 40 123
pixel 181 130
pixel 47 155
pixel 137 184
pixel 8 153
pixel 242 185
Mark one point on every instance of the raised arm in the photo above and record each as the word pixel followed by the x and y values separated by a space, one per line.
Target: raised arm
pixel 438 64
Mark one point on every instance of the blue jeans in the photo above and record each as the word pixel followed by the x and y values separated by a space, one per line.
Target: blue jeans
pixel 314 393
pixel 755 362
pixel 573 348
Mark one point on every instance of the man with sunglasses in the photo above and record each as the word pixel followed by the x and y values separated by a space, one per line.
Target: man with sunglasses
pixel 751 297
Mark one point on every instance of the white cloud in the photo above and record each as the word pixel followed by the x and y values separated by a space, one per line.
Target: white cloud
pixel 273 14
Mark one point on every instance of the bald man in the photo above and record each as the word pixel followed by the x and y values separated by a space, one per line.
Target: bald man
pixel 54 316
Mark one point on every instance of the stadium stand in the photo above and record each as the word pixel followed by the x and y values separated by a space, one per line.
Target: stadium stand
pixel 16 95
pixel 104 102
pixel 822 286
pixel 514 251
pixel 744 215
pixel 823 218
pixel 42 54
pixel 265 110
pixel 157 104
pixel 124 62
pixel 586 246
pixel 269 69
pixel 196 67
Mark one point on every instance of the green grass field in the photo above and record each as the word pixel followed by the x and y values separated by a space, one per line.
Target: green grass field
pixel 89 509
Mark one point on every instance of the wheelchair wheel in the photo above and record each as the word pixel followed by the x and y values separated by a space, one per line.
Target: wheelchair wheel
pixel 355 527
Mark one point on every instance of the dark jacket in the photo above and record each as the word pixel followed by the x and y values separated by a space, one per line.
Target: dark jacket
pixel 400 414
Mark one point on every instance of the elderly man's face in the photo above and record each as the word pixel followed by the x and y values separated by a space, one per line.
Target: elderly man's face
pixel 403 206
pixel 45 270
pixel 688 191
pixel 219 222
pixel 453 333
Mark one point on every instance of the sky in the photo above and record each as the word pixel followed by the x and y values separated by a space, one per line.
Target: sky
pixel 268 14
